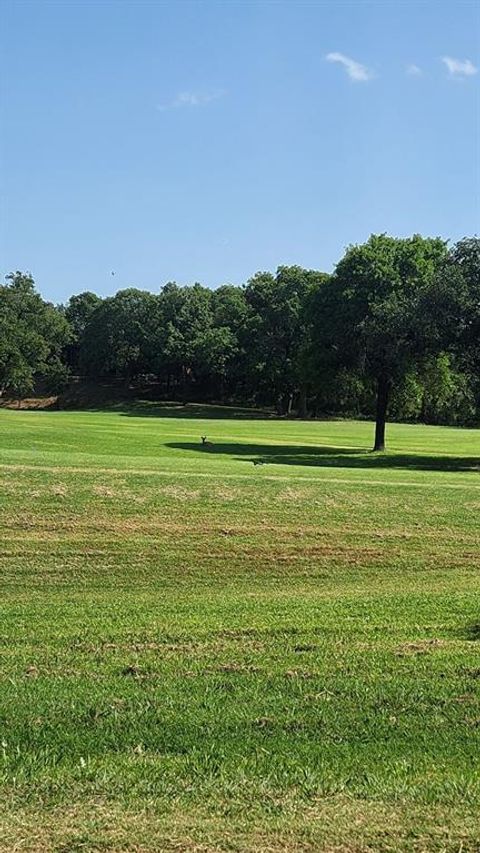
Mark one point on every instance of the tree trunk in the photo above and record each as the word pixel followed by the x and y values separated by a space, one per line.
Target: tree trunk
pixel 302 402
pixel 383 393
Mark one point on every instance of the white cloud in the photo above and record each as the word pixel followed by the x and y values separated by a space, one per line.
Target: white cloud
pixel 356 71
pixel 459 67
pixel 191 99
pixel 413 70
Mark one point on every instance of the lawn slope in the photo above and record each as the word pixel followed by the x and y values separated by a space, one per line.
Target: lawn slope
pixel 202 654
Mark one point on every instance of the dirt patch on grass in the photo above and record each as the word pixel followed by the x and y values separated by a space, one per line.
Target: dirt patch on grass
pixel 234 668
pixel 291 495
pixel 133 671
pixel 179 493
pixel 222 493
pixel 420 647
pixel 59 489
pixel 299 673
pixel 32 671
pixel 168 649
pixel 30 403
pixel 286 554
pixel 473 673
pixel 24 487
pixel 105 492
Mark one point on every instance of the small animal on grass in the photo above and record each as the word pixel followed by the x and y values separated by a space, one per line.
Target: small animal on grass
pixel 205 443
pixel 258 461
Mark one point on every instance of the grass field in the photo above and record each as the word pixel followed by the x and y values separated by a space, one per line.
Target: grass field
pixel 200 654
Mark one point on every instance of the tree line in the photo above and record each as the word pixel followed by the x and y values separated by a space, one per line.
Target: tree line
pixel 393 331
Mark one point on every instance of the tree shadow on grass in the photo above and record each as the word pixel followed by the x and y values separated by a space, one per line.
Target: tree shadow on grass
pixel 473 632
pixel 202 411
pixel 330 457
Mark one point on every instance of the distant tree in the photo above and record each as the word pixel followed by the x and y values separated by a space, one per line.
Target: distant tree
pixel 330 358
pixel 33 334
pixel 197 347
pixel 451 316
pixel 120 335
pixel 464 257
pixel 377 324
pixel 78 311
pixel 212 355
pixel 229 307
pixel 276 331
pixel 186 315
pixel 230 315
pixel 448 391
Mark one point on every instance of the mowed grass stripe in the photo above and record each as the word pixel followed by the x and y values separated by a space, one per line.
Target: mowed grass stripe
pixel 350 481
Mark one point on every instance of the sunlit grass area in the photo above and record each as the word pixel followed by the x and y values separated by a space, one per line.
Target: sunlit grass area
pixel 201 653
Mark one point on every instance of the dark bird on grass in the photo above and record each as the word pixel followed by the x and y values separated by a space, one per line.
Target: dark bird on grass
pixel 258 462
pixel 205 443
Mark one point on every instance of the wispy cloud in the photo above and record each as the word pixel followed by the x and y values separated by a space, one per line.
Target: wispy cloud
pixel 191 99
pixel 459 67
pixel 413 70
pixel 355 70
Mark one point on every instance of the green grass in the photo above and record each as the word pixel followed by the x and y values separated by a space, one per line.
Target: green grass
pixel 200 654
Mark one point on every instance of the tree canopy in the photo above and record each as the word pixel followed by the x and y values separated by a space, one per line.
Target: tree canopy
pixel 377 291
pixel 32 337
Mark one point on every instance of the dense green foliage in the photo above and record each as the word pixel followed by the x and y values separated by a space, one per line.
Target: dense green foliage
pixel 395 328
pixel 199 654
pixel 378 291
pixel 33 335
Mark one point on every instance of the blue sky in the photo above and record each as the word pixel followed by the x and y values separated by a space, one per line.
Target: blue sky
pixel 204 141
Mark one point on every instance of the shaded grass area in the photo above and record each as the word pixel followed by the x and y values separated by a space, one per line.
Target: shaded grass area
pixel 200 655
pixel 333 457
pixel 209 411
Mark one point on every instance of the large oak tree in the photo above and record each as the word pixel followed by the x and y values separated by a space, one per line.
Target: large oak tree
pixel 376 302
